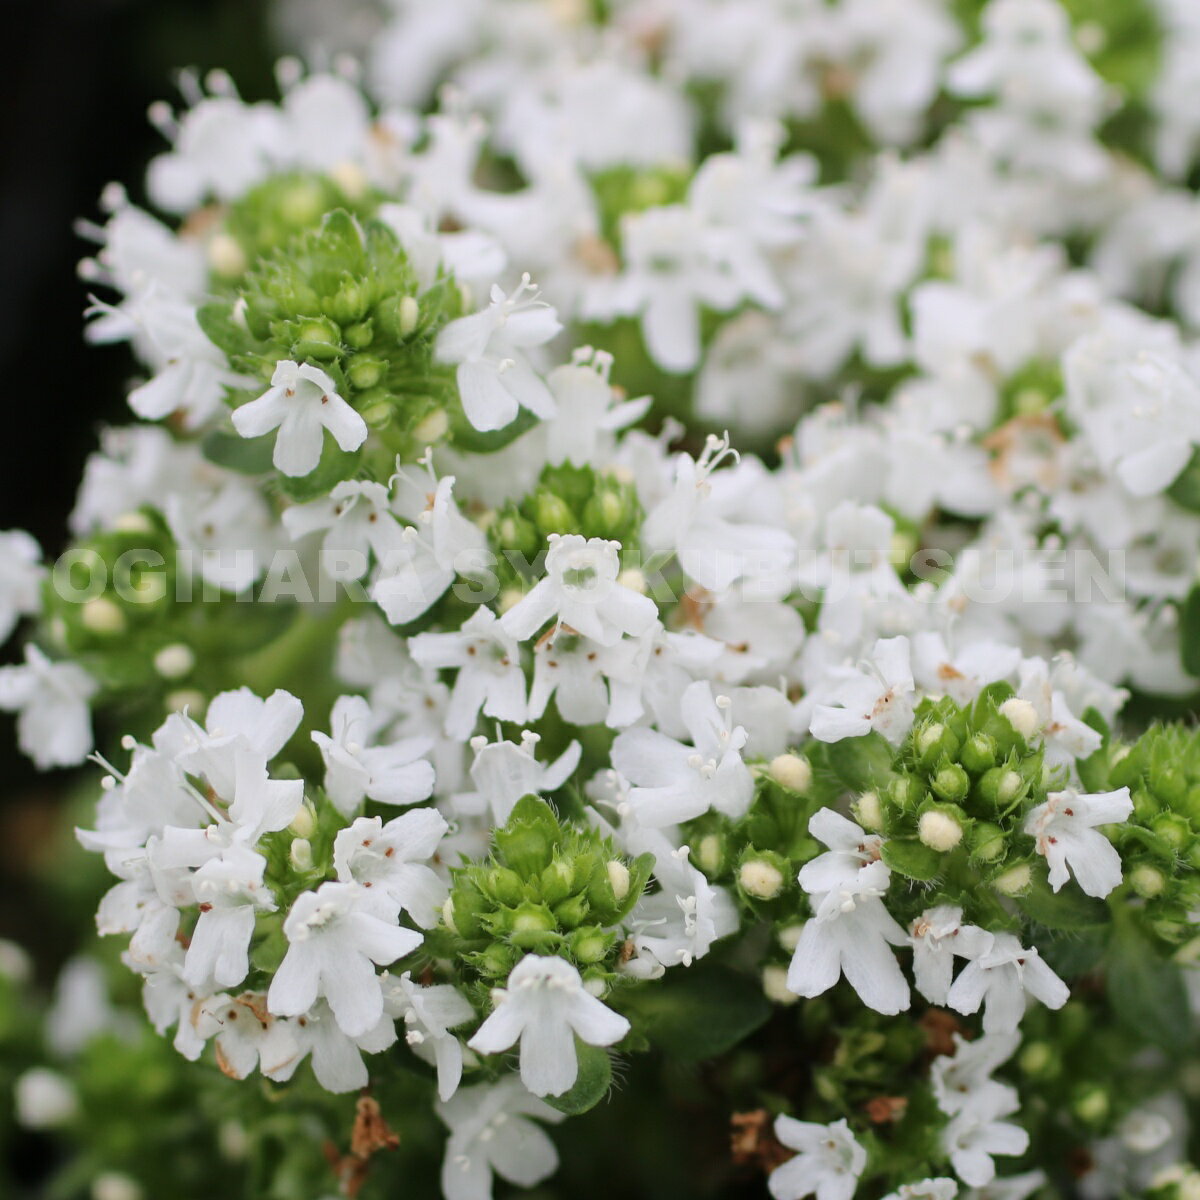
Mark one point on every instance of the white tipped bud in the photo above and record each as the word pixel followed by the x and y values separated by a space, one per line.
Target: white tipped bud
pixel 791 771
pixel 102 615
pixel 1014 881
pixel 187 698
pixel 708 854
pixel 760 879
pixel 233 1141
pixel 433 428
pixel 868 811
pixel 774 985
pixel 618 878
pixel 939 831
pixel 410 315
pixel 44 1099
pixel 929 736
pixel 1021 715
pixel 300 855
pixel 448 915
pixel 226 256
pixel 133 522
pixel 789 937
pixel 351 178
pixel 175 661
pixel 304 823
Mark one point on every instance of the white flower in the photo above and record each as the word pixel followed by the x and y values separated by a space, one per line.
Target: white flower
pixel 429 1014
pixel 505 771
pixel 337 1056
pixel 936 937
pixel 54 721
pixel 301 403
pixel 439 544
pixel 940 1188
pixel 490 1132
pixel 354 769
pixel 21 576
pixel 876 698
pixel 675 782
pixel 546 1006
pixel 850 932
pixel 1066 834
pixel 977 1132
pixel 333 938
pixel 580 589
pixel 489 676
pixel 393 858
pixel 357 521
pixel 495 379
pixel 827 1165
pixel 1001 976
pixel 679 923
pixel 247 1036
pixel 229 891
pixel 964 1080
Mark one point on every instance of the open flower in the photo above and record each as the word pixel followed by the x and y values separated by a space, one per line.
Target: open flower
pixel 546 1006
pixel 302 402
pixel 1066 834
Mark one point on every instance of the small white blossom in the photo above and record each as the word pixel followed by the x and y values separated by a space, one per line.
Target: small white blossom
pixel 54 720
pixel 1064 828
pixel 827 1165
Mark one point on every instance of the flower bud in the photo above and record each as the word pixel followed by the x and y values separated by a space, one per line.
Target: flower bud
pixel 174 661
pixel 606 514
pixel 432 428
pixel 774 985
pixel 905 793
pixel 113 1185
pixel 304 823
pixel 552 514
pixel 933 741
pixel 557 881
pixel 318 338
pixel 1000 787
pixel 1174 829
pixel 939 829
pixel 44 1099
pixel 760 878
pixel 978 753
pixel 1021 715
pixel 300 855
pixel 1014 881
pixel 409 316
pixel 504 885
pixel 572 912
pixel 590 944
pixel 104 616
pixel 497 960
pixel 709 854
pixel 792 772
pixel 1039 1060
pixel 527 925
pixel 868 811
pixel 1147 881
pixel 618 878
pixel 951 783
pixel 1091 1104
pixel 226 256
pixel 365 371
pixel 789 937
pixel 987 841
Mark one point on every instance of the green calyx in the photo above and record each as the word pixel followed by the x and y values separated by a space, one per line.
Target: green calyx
pixel 548 888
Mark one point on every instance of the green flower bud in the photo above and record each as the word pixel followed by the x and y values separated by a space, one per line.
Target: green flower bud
pixel 1173 829
pixel 527 842
pixel 497 960
pixel 978 753
pixel 618 878
pixel 552 514
pixel 572 912
pixel 504 886
pixel 1147 881
pixel 318 338
pixel 951 783
pixel 606 513
pixel 527 925
pixel 1014 881
pixel 1039 1060
pixel 590 944
pixel 1001 787
pixel 933 741
pixel 710 854
pixel 905 793
pixel 987 841
pixel 1091 1104
pixel 408 315
pixel 558 881
pixel 467 908
pixel 515 534
pixel 304 823
pixel 300 855
pixel 349 303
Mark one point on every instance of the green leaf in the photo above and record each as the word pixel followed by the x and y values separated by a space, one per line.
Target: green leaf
pixel 863 762
pixel 1189 632
pixel 1185 491
pixel 1147 992
pixel 695 1013
pixel 1066 909
pixel 247 456
pixel 591 1084
pixel 912 859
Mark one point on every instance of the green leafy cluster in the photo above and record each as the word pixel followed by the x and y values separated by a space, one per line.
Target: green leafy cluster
pixel 346 299
pixel 547 888
pixel 567 499
pixel 1160 843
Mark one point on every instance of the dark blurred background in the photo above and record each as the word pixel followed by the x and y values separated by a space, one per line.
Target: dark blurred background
pixel 79 77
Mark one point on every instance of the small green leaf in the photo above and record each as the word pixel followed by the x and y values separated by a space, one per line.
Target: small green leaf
pixel 1147 992
pixel 912 859
pixel 591 1084
pixel 862 762
pixel 1066 909
pixel 247 456
pixel 696 1013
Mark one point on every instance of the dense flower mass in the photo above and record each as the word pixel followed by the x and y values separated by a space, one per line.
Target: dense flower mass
pixel 684 546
